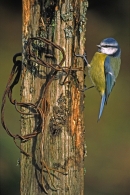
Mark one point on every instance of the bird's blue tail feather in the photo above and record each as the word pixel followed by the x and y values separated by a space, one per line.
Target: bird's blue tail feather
pixel 103 101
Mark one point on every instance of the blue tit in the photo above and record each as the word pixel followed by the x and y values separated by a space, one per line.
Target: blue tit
pixel 104 69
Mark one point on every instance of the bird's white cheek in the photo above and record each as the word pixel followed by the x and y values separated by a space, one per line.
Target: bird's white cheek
pixel 108 50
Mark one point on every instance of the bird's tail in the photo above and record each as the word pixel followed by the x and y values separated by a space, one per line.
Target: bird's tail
pixel 103 101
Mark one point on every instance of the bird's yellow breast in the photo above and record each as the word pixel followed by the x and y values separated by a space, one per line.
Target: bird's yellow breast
pixel 96 71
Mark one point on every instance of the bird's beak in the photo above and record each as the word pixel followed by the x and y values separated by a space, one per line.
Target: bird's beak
pixel 99 46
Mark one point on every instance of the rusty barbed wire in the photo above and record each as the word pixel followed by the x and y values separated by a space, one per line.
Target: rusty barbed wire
pixel 33 108
pixel 15 77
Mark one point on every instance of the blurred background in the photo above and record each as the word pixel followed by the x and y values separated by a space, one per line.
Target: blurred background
pixel 107 165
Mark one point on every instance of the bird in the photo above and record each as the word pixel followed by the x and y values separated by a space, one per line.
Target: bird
pixel 104 69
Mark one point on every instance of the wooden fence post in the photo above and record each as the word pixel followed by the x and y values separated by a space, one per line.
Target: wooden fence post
pixel 53 79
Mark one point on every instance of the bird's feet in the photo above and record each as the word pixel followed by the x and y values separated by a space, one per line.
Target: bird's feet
pixel 84 56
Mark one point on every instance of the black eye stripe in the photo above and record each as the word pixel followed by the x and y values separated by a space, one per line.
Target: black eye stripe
pixel 114 46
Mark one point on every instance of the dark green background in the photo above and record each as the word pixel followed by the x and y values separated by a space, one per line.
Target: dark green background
pixel 108 141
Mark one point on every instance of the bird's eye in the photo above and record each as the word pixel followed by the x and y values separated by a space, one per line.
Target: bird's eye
pixel 106 46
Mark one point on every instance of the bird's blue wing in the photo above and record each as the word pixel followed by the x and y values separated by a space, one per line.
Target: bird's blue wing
pixel 109 83
pixel 111 66
pixel 109 77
